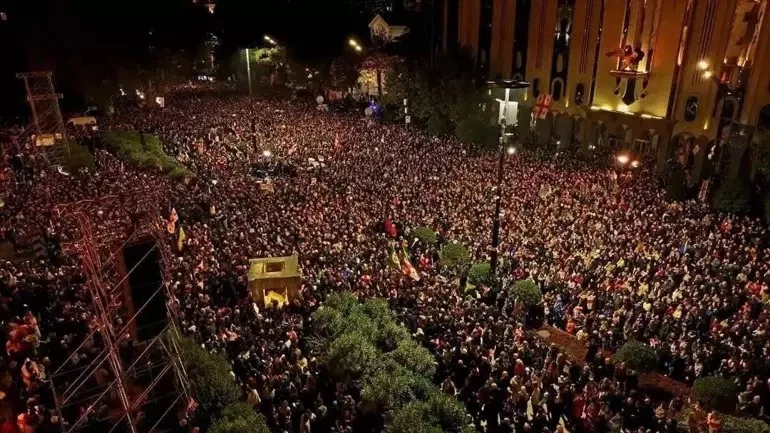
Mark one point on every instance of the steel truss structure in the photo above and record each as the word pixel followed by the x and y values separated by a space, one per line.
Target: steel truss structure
pixel 50 133
pixel 124 385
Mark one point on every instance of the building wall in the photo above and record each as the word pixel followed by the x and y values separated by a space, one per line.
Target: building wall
pixel 469 15
pixel 583 55
pixel 759 82
pixel 542 22
pixel 707 37
pixel 501 53
pixel 665 95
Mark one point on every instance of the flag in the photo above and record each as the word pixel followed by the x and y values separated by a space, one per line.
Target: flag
pixel 182 237
pixel 390 229
pixel 406 266
pixel 172 219
pixel 543 106
pixel 393 261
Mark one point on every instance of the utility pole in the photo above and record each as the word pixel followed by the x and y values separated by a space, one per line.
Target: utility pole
pixel 248 70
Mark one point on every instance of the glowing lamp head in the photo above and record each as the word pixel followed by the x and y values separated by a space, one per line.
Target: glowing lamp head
pixel 511 150
pixel 635 164
pixel 267 153
pixel 703 65
pixel 352 43
pixel 708 74
pixel 358 48
pixel 623 159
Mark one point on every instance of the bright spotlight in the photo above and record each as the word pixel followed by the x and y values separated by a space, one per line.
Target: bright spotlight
pixel 634 163
pixel 708 74
pixel 267 153
pixel 352 42
pixel 703 65
pixel 623 159
pixel 511 150
pixel 358 48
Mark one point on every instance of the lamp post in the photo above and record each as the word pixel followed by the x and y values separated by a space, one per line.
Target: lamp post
pixel 507 108
pixel 723 87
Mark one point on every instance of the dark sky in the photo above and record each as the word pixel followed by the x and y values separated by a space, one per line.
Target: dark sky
pixel 84 40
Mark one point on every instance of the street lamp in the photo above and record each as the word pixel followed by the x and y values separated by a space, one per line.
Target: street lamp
pixel 507 110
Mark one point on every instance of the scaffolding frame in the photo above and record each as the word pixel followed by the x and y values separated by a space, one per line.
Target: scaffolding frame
pixel 158 360
pixel 50 132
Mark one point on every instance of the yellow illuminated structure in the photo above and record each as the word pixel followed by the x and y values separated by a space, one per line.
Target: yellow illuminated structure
pixel 651 76
pixel 274 279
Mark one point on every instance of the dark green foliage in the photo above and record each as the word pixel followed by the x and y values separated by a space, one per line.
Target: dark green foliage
pixel 766 202
pixel 128 146
pixel 425 235
pixel 438 125
pixel 80 158
pixel 414 358
pixel 351 355
pixel 364 342
pixel 527 292
pixel 239 418
pixel 455 257
pixel 480 274
pixel 210 378
pixel 735 424
pixel 476 131
pixel 734 196
pixel 716 393
pixel 637 356
pixel 676 186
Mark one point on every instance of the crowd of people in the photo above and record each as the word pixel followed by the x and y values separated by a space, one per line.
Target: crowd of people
pixel 615 261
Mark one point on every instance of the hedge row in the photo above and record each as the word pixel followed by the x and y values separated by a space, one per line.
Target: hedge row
pixel 149 154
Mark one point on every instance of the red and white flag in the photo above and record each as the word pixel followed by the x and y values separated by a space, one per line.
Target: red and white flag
pixel 543 106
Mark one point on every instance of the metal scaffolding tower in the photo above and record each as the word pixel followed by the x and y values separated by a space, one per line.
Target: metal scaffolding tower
pixel 111 381
pixel 50 133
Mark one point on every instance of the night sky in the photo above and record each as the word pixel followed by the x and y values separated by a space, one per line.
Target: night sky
pixel 86 40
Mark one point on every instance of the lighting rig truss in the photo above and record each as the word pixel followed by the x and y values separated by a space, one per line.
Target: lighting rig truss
pixel 127 385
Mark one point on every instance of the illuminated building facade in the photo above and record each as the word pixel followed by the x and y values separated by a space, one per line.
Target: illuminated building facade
pixel 657 77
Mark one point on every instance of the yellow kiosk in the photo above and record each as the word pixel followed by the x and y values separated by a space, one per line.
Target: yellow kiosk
pixel 274 279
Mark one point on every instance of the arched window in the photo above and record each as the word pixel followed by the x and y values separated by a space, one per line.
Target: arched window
pixel 557 86
pixel 536 87
pixel 580 90
pixel 691 109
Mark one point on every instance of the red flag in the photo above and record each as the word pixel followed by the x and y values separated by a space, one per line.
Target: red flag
pixel 390 229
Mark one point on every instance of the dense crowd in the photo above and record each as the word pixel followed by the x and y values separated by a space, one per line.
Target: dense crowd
pixel 614 260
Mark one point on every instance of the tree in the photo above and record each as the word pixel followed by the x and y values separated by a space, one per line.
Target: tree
pixel 79 157
pixel 637 356
pixel 210 379
pixel 425 235
pixel 351 355
pixel 414 358
pixel 454 257
pixel 718 393
pixel 734 196
pixel 239 418
pixel 527 292
pixel 676 186
pixel 480 274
